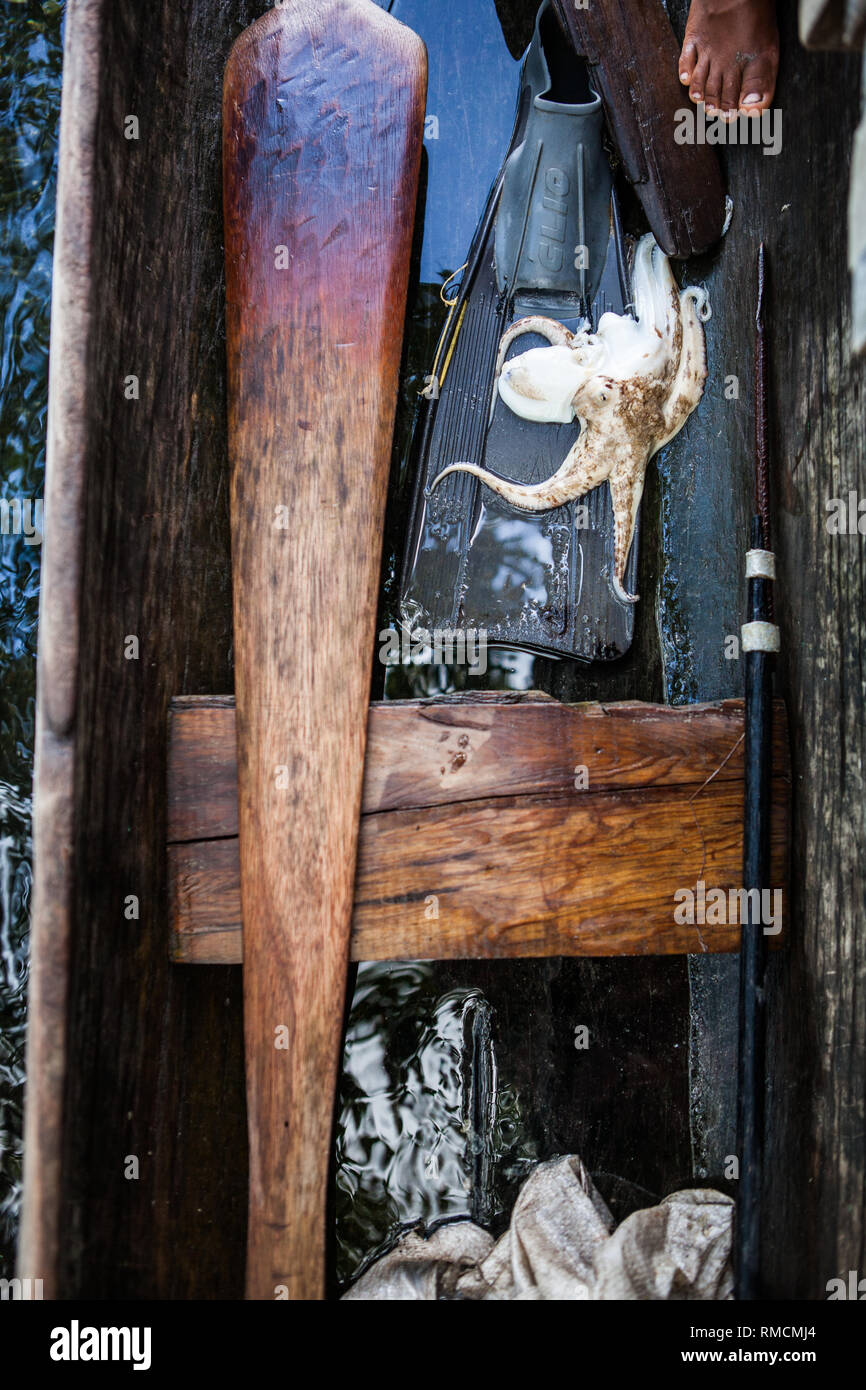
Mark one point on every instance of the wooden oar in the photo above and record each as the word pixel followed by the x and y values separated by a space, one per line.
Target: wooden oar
pixel 322 127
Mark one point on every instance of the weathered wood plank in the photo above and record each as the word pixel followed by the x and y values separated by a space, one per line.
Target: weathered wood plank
pixel 205 902
pixel 202 786
pixel 815 1199
pixel 436 752
pixel 545 877
pixel 136 542
pixel 545 868
pixel 680 186
pixel 72 313
pixel 509 880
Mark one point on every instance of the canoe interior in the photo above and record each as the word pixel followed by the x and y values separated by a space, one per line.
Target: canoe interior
pixel 153 1063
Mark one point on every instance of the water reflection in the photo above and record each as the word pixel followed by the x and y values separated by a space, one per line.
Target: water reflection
pixel 30 65
pixel 427 1128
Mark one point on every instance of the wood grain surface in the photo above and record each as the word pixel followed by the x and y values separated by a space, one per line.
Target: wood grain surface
pixel 136 542
pixel 464 748
pixel 322 128
pixel 633 57
pixel 814 1204
pixel 139 543
pixel 59 626
pixel 468 851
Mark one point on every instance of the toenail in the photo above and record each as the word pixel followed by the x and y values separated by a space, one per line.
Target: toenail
pixel 684 77
pixel 752 99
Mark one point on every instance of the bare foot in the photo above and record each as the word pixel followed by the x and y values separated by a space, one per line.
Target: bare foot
pixel 730 55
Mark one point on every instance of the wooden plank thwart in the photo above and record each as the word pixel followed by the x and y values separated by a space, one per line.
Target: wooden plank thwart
pixel 497 827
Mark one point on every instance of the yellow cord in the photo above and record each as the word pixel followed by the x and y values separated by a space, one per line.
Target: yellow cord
pixel 452 302
pixel 431 390
pixel 452 345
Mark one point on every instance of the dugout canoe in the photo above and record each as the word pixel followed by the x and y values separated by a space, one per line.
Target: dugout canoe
pixel 130 1054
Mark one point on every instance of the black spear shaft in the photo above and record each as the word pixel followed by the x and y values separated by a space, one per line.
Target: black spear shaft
pixel 760 641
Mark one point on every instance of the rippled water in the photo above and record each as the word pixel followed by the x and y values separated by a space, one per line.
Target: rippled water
pixel 429 1129
pixel 30 64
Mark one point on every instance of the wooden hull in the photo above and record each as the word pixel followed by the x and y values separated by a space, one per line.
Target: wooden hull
pixel 130 1056
pixel 139 547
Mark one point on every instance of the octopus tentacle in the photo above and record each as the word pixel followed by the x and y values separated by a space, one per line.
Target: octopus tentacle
pixel 626 490
pixel 688 384
pixel 582 470
pixel 701 300
pixel 555 333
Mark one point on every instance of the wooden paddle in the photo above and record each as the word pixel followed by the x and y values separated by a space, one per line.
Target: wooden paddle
pixel 322 127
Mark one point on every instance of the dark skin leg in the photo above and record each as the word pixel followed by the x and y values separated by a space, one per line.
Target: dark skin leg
pixel 730 56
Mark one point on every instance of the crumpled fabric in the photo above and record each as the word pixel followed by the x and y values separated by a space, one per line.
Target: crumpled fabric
pixel 563 1244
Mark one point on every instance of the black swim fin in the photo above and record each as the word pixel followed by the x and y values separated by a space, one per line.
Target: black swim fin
pixel 550 243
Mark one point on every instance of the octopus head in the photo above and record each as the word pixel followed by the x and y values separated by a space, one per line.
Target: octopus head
pixel 599 399
pixel 542 383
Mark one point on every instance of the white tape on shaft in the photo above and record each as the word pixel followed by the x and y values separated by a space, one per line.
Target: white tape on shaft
pixel 760 637
pixel 760 564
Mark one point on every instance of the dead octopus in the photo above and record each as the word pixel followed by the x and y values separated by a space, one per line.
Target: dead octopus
pixel 632 386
